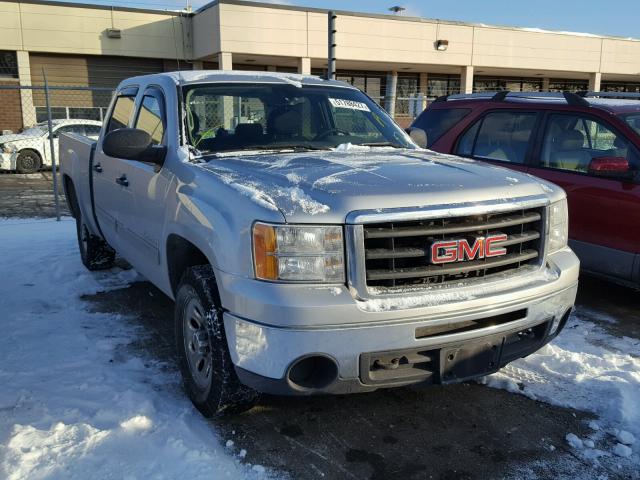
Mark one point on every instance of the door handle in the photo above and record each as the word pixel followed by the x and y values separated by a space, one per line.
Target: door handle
pixel 122 180
pixel 98 168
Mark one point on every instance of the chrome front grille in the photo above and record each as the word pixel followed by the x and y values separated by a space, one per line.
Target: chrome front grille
pixel 398 253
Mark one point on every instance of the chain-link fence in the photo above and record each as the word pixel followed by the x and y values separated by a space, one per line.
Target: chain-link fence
pixel 33 117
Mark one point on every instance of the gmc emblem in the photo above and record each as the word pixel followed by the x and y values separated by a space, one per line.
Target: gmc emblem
pixel 447 251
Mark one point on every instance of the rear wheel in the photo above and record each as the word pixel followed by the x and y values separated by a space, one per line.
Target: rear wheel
pixel 207 370
pixel 28 161
pixel 95 253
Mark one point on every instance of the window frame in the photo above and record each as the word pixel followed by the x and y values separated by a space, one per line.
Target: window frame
pixel 537 153
pixel 479 120
pixel 130 91
pixel 154 91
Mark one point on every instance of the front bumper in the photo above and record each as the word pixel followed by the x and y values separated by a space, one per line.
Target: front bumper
pixel 7 161
pixel 270 327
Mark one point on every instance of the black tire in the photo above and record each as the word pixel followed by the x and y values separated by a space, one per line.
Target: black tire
pixel 95 253
pixel 207 370
pixel 28 161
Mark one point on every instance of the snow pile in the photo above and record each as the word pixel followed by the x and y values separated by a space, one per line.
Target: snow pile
pixel 74 402
pixel 587 369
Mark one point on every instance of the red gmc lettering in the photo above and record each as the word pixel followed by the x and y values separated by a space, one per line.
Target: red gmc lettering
pixel 492 251
pixel 459 250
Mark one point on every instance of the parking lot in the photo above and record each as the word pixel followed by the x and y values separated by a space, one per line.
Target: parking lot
pixel 456 432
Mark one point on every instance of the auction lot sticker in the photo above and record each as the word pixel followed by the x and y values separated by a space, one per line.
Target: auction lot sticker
pixel 350 104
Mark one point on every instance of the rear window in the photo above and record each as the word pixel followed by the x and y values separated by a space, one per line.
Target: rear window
pixel 436 122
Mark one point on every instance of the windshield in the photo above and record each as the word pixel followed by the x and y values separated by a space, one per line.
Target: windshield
pixel 36 130
pixel 228 117
pixel 633 120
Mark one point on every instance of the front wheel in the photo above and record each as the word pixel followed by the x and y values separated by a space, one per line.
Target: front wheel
pixel 207 370
pixel 28 161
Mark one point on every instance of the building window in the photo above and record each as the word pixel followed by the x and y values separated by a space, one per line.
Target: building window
pixel 62 113
pixel 439 85
pixel 406 91
pixel 565 85
pixel 496 84
pixel 8 65
pixel 372 83
pixel 620 87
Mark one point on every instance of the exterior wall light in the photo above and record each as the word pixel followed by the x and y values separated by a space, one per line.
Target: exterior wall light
pixel 114 33
pixel 442 45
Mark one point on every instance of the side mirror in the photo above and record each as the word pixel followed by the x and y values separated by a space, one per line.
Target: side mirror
pixel 612 167
pixel 133 144
pixel 418 135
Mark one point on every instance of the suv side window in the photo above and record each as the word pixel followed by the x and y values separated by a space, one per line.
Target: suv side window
pixel 122 112
pixel 438 121
pixel 500 135
pixel 571 141
pixel 151 116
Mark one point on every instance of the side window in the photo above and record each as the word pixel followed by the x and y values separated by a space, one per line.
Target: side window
pixel 465 144
pixel 122 112
pixel 572 141
pixel 438 121
pixel 151 118
pixel 499 136
pixel 92 131
pixel 77 129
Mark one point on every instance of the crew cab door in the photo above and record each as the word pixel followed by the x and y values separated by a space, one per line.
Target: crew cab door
pixel 604 213
pixel 147 185
pixel 111 197
pixel 501 137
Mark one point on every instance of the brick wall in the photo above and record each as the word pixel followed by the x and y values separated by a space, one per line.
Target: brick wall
pixel 11 108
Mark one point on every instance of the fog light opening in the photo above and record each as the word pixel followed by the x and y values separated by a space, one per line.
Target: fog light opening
pixel 313 372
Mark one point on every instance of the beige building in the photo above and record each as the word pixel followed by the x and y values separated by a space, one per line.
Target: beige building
pixel 399 61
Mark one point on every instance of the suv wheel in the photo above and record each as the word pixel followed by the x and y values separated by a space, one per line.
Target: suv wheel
pixel 207 370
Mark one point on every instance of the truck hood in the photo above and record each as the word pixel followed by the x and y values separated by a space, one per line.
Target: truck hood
pixel 325 186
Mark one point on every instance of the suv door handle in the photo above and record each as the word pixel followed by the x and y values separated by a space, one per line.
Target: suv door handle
pixel 98 168
pixel 122 180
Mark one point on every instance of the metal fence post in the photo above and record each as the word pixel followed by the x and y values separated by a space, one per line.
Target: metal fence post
pixel 54 170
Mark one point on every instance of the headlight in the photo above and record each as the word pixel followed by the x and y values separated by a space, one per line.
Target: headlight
pixel 8 148
pixel 558 225
pixel 298 253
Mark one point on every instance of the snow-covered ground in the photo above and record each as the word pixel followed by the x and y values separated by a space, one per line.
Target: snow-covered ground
pixel 587 369
pixel 73 402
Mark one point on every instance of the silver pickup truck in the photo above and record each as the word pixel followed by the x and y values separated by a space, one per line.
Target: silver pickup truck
pixel 310 245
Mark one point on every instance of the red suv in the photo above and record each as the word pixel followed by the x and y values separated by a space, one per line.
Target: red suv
pixel 589 144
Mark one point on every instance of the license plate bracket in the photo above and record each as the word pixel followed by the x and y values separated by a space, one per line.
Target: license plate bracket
pixel 470 360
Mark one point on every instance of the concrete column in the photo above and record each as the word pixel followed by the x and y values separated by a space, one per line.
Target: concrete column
pixel 466 79
pixel 225 61
pixel 197 65
pixel 390 94
pixel 304 65
pixel 26 96
pixel 545 84
pixel 594 81
pixel 271 68
pixel 422 88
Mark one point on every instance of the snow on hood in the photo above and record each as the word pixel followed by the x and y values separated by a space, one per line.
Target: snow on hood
pixel 330 184
pixel 17 137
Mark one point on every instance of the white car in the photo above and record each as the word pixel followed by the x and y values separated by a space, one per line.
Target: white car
pixel 30 150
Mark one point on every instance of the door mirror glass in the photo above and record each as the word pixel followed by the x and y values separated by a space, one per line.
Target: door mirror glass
pixel 610 167
pixel 133 144
pixel 418 135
